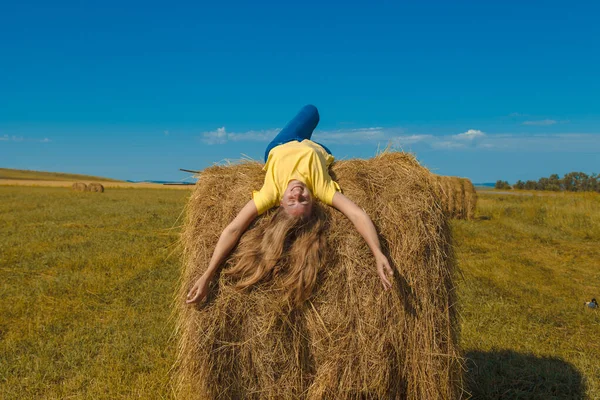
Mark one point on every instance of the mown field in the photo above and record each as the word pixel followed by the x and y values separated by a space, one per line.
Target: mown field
pixel 21 174
pixel 526 273
pixel 87 283
pixel 86 289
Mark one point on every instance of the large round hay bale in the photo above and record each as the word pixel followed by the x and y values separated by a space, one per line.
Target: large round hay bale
pixel 80 187
pixel 96 187
pixel 470 198
pixel 456 195
pixel 459 198
pixel 450 190
pixel 350 339
pixel 440 187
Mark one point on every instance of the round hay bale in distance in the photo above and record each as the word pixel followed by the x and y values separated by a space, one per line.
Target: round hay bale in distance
pixel 456 195
pixel 470 199
pixel 96 187
pixel 459 198
pixel 350 339
pixel 80 187
pixel 439 188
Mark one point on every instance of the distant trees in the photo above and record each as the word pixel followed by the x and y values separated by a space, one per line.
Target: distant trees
pixel 519 185
pixel 531 185
pixel 502 185
pixel 553 183
pixel 571 182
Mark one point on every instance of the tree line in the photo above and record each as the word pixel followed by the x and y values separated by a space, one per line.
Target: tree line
pixel 571 182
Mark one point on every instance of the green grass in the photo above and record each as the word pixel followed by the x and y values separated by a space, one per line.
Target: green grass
pixel 87 283
pixel 20 174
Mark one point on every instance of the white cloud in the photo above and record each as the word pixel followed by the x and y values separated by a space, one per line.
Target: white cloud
pixel 471 140
pixel 470 134
pixel 166 133
pixel 564 142
pixel 355 136
pixel 215 137
pixel 343 136
pixel 221 136
pixel 476 140
pixel 371 135
pixel 14 138
pixel 253 136
pixel 543 122
pixel 411 139
pixel 447 144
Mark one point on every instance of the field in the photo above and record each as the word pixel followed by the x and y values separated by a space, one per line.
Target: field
pixel 87 283
pixel 20 174
pixel 18 177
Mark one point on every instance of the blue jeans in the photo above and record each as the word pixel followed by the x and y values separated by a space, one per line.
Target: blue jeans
pixel 301 127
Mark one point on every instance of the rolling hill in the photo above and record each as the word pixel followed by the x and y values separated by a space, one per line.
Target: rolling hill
pixel 19 174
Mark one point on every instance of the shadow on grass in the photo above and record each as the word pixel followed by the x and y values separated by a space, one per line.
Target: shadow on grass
pixel 510 375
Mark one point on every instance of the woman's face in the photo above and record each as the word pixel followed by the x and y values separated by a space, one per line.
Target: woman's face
pixel 297 200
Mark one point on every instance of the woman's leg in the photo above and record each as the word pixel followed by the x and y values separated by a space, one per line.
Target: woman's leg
pixel 299 128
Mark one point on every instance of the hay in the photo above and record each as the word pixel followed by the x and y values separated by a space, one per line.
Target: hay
pixel 350 339
pixel 96 187
pixel 451 191
pixel 445 191
pixel 80 187
pixel 470 198
pixel 457 196
pixel 440 190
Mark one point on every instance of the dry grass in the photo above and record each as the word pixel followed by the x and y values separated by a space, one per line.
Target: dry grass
pixel 21 174
pixel 106 184
pixel 350 339
pixel 86 287
pixel 529 263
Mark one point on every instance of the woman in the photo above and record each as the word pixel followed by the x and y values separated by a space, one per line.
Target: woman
pixel 296 173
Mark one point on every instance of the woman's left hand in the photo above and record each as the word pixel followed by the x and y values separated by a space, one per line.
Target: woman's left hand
pixel 384 271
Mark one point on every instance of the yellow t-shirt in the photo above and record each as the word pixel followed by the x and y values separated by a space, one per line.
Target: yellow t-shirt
pixel 305 161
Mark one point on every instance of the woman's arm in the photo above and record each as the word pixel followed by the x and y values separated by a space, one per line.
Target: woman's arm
pixel 227 241
pixel 365 227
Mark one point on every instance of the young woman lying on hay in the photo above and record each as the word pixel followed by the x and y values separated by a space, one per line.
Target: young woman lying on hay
pixel 296 175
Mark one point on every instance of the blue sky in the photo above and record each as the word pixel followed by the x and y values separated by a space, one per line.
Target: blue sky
pixel 135 90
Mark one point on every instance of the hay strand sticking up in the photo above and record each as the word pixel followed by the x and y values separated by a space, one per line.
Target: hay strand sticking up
pixel 350 339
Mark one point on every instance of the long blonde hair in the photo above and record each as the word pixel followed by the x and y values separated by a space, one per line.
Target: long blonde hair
pixel 286 249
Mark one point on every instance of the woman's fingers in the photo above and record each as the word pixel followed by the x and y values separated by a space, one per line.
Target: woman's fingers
pixel 384 270
pixel 384 281
pixel 191 298
pixel 383 284
pixel 193 294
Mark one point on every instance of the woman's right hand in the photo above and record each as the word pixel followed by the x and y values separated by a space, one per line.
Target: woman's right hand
pixel 199 290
